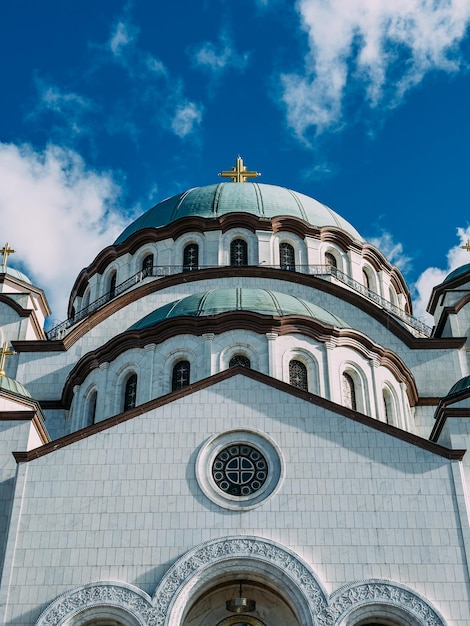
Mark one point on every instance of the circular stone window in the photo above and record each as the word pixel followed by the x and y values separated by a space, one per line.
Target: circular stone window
pixel 239 469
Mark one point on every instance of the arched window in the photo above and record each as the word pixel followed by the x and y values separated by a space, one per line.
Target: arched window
pixel 130 392
pixel 238 252
pixel 112 286
pixel 181 375
pixel 365 279
pixel 287 257
pixel 90 412
pixel 298 374
pixel 147 266
pixel 239 359
pixel 330 260
pixel 349 391
pixel 389 406
pixel 191 257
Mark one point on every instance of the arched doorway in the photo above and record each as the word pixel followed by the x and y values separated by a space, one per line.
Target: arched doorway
pixel 269 604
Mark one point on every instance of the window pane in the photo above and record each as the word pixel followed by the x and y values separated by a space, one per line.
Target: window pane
pixel 238 252
pixel 239 359
pixel 287 257
pixel 147 265
pixel 130 392
pixel 349 392
pixel 191 257
pixel 330 259
pixel 298 375
pixel 180 377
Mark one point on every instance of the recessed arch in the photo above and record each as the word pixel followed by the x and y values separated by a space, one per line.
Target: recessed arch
pixel 101 603
pixel 354 388
pixel 252 558
pixel 382 602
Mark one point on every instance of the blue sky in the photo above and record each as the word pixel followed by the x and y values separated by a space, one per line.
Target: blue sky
pixel 108 107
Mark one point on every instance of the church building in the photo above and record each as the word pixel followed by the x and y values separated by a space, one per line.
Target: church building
pixel 240 423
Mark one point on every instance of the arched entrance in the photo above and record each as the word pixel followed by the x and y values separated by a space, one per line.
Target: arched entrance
pixel 281 588
pixel 269 606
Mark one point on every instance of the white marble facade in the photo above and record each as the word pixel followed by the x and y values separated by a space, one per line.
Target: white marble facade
pixel 202 429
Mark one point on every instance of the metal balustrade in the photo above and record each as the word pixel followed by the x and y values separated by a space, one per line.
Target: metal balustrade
pixel 324 272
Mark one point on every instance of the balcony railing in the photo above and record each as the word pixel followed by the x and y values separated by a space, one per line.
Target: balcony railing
pixel 324 272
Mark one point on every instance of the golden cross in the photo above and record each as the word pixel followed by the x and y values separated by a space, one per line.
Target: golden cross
pixel 239 173
pixel 4 352
pixel 6 250
pixel 466 246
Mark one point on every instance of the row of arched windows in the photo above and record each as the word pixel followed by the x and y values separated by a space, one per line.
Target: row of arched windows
pixel 298 377
pixel 239 258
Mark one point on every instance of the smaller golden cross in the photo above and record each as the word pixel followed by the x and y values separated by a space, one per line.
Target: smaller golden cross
pixel 466 246
pixel 6 251
pixel 239 173
pixel 4 352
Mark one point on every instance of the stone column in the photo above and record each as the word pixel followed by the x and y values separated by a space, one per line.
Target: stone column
pixel 104 400
pixel 330 378
pixel 209 367
pixel 376 403
pixel 146 389
pixel 272 357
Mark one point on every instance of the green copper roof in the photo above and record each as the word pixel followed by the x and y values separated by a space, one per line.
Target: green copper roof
pixel 223 300
pixel 460 271
pixel 10 271
pixel 13 386
pixel 256 199
pixel 461 385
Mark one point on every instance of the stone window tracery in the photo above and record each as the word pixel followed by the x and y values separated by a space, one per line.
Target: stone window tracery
pixel 240 470
pixel 287 257
pixel 130 392
pixel 239 359
pixel 181 375
pixel 191 257
pixel 238 252
pixel 298 376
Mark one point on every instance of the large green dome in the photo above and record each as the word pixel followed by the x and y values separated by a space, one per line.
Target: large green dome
pixel 256 199
pixel 228 299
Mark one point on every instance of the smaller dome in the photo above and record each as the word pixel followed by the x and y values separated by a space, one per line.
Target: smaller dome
pixel 460 385
pixel 460 271
pixel 228 299
pixel 10 271
pixel 11 385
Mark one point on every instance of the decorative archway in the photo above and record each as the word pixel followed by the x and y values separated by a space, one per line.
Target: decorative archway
pixel 267 565
pixel 117 601
pixel 262 561
pixel 378 599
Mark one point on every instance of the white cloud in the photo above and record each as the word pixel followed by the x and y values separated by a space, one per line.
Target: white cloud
pixel 123 35
pixel 57 214
pixel 432 276
pixel 378 50
pixel 217 58
pixel 72 109
pixel 186 119
pixel 393 250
